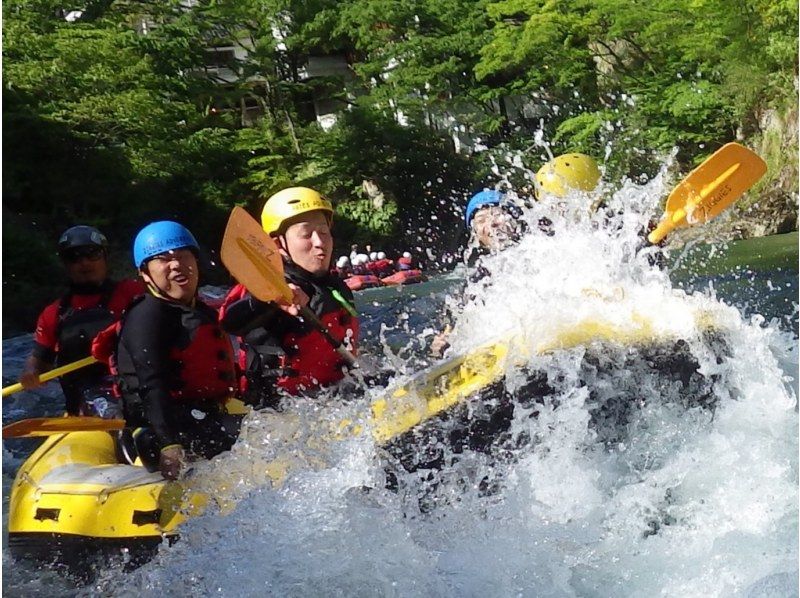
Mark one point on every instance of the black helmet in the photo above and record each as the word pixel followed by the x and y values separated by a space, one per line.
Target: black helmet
pixel 81 236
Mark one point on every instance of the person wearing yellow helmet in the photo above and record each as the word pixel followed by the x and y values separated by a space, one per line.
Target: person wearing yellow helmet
pixel 575 172
pixel 278 350
pixel 300 219
pixel 566 173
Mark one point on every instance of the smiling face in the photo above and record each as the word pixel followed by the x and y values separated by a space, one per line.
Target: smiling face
pixel 174 273
pixel 309 243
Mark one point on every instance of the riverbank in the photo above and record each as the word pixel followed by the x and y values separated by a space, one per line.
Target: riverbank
pixel 762 253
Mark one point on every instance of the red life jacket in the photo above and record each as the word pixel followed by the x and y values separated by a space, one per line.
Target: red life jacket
pixel 208 370
pixel 237 292
pixel 204 368
pixel 295 355
pixel 383 267
pixel 311 361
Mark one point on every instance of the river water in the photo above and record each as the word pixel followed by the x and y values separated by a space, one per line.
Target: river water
pixel 674 499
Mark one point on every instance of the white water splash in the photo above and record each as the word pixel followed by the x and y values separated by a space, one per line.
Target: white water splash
pixel 677 500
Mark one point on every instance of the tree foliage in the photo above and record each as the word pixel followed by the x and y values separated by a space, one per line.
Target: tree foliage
pixel 114 115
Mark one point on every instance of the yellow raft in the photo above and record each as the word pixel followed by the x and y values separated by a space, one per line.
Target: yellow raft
pixel 73 494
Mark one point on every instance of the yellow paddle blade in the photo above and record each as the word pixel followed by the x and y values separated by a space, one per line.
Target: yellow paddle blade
pixel 252 257
pixel 710 188
pixel 54 373
pixel 45 426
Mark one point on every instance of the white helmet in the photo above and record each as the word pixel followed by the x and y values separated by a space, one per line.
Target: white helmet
pixel 362 258
pixel 342 261
pixel 373 256
pixel 406 254
pixel 381 255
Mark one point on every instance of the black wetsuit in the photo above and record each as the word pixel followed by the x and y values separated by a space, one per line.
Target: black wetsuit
pixel 175 369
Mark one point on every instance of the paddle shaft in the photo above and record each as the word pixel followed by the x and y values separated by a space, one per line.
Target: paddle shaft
pixel 45 426
pixel 666 226
pixel 54 373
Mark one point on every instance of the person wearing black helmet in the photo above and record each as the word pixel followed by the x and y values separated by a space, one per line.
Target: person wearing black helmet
pixel 66 327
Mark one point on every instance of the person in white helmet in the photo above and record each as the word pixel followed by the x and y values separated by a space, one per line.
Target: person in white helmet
pixel 359 264
pixel 382 266
pixel 405 262
pixel 343 268
pixel 370 264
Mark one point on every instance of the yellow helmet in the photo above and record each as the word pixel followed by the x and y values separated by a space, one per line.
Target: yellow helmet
pixel 570 171
pixel 289 203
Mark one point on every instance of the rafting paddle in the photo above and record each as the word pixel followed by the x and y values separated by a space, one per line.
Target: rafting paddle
pixel 710 188
pixel 54 373
pixel 45 426
pixel 253 258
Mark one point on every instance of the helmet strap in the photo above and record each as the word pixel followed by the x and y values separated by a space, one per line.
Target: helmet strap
pixel 284 247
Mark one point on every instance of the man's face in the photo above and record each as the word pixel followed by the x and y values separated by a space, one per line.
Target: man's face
pixel 174 273
pixel 309 243
pixel 493 227
pixel 86 265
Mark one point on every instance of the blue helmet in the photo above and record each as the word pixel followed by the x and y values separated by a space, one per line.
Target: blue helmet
pixel 486 197
pixel 159 237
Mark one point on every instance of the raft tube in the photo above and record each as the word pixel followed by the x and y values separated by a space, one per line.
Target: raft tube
pixel 73 499
pixel 360 282
pixel 73 493
pixel 404 277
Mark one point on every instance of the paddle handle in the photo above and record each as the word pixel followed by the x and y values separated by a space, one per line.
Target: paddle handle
pixel 54 373
pixel 671 221
pixel 310 316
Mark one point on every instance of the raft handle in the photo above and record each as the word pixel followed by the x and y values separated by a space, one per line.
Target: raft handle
pixel 146 517
pixel 45 514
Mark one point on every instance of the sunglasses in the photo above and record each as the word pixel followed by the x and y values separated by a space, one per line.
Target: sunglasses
pixel 92 254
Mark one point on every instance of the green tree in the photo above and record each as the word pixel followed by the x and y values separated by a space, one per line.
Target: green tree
pixel 648 74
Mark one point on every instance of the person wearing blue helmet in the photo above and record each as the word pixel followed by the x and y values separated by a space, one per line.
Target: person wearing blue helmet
pixel 487 197
pixel 66 327
pixel 174 364
pixel 491 222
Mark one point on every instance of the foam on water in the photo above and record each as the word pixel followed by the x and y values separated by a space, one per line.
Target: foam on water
pixel 675 499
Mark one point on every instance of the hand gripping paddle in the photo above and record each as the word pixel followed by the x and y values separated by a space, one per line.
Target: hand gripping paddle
pixel 54 373
pixel 254 260
pixel 710 188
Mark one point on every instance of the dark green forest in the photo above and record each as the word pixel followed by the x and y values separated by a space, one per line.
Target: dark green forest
pixel 127 111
